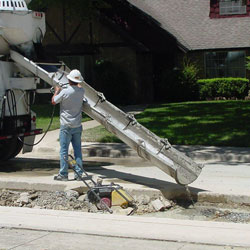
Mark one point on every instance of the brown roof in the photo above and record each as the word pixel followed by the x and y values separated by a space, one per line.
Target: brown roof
pixel 189 22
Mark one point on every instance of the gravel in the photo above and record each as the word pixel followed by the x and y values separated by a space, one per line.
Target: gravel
pixel 43 200
pixel 226 215
pixel 71 200
pixel 237 213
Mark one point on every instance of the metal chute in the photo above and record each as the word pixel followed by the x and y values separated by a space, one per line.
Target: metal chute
pixel 148 145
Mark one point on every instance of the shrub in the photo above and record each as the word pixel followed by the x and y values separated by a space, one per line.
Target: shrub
pixel 180 84
pixel 223 87
pixel 188 80
pixel 248 62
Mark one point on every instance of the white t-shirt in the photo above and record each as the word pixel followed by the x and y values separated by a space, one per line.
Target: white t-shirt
pixel 71 100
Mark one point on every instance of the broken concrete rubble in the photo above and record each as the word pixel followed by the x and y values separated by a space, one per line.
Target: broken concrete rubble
pixel 24 199
pixel 161 204
pixel 157 205
pixel 72 193
pixel 122 211
pixel 83 197
pixel 162 207
pixel 167 203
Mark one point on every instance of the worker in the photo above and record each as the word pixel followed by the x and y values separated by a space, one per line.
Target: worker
pixel 70 99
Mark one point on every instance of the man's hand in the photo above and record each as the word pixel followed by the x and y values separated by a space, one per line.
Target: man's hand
pixel 57 91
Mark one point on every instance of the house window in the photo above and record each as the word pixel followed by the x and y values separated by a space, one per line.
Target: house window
pixel 225 64
pixel 229 7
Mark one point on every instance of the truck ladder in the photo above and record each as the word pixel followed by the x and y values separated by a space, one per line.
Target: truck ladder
pixel 148 145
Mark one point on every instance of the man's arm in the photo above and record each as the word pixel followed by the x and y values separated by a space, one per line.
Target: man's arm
pixel 57 91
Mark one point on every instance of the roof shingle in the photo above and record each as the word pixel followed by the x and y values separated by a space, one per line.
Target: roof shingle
pixel 189 22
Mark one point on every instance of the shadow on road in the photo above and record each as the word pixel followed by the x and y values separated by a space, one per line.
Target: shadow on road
pixel 165 187
pixel 40 165
pixel 46 167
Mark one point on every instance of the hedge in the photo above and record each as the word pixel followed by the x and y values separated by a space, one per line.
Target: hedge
pixel 223 87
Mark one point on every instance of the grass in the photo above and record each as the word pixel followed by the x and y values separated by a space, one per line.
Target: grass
pixel 213 123
pixel 44 113
pixel 217 123
pixel 99 134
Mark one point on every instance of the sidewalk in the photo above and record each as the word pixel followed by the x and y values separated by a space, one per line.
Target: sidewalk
pixel 143 228
pixel 24 239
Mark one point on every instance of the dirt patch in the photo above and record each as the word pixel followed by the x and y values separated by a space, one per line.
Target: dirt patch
pixel 146 206
pixel 204 211
pixel 43 200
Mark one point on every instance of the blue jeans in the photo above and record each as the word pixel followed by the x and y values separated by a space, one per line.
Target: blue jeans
pixel 66 136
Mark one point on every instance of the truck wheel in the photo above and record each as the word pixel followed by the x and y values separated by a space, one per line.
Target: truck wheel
pixel 18 147
pixel 10 148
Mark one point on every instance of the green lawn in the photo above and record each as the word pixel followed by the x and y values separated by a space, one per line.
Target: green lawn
pixel 99 134
pixel 216 123
pixel 44 113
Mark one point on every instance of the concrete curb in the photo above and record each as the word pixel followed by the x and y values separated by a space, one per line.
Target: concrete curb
pixel 30 185
pixel 121 150
pixel 197 153
pixel 175 193
pixel 218 154
pixel 112 150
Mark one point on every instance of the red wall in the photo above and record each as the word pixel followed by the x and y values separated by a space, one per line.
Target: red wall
pixel 215 12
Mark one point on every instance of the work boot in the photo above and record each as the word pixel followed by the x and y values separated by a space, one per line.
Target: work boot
pixel 77 178
pixel 60 178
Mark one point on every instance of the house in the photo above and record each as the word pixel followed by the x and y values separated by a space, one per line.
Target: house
pixel 144 38
pixel 216 31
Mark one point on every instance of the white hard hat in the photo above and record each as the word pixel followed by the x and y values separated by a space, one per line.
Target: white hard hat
pixel 75 76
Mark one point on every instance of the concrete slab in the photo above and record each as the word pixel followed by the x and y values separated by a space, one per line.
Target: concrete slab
pixel 201 232
pixel 11 239
pixel 33 239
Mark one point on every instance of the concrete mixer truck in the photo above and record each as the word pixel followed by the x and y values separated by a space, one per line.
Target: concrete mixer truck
pixel 20 31
pixel 20 28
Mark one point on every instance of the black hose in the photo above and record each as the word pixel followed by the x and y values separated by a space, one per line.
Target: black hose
pixel 13 100
pixel 7 98
pixel 13 113
pixel 2 113
pixel 51 120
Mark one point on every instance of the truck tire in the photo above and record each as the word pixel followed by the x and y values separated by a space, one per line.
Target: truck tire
pixel 10 148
